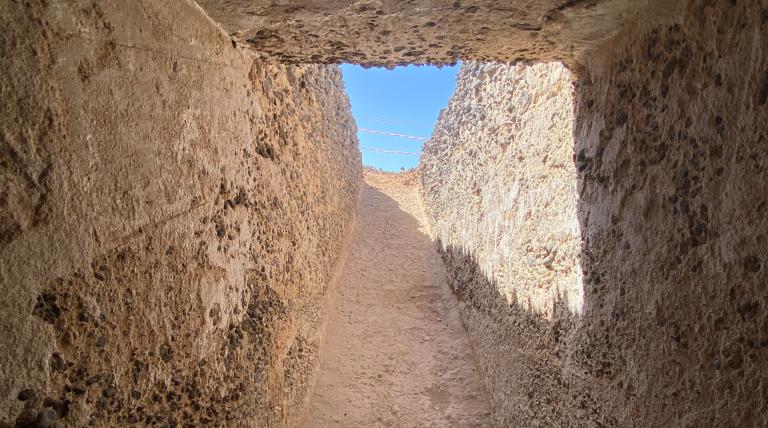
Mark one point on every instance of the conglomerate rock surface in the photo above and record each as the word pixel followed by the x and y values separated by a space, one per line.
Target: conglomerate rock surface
pixel 172 204
pixel 499 191
pixel 623 283
pixel 172 209
pixel 392 32
pixel 670 144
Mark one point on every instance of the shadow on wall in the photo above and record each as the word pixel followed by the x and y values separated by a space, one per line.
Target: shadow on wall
pixel 500 192
pixel 392 376
pixel 522 352
pixel 672 206
pixel 670 148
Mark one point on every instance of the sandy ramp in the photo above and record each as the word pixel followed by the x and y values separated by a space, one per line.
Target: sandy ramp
pixel 396 353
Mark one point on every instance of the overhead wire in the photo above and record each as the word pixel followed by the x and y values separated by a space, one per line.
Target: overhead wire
pixel 397 152
pixel 392 134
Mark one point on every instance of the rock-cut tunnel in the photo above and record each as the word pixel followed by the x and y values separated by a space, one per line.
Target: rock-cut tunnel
pixel 187 236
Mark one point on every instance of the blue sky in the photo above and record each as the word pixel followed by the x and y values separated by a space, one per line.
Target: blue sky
pixel 403 101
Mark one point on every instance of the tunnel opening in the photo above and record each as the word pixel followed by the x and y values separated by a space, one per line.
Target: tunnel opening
pixel 395 110
pixel 176 201
pixel 497 187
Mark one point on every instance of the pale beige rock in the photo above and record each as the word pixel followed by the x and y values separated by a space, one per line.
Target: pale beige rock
pixel 392 32
pixel 172 207
pixel 499 191
pixel 663 324
pixel 499 181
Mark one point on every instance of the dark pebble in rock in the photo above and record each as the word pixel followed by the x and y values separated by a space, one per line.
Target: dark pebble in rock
pixel 101 342
pixel 47 418
pixel 26 394
pixel 752 264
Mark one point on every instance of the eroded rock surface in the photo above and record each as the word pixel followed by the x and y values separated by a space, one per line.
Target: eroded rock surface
pixel 172 208
pixel 391 32
pixel 656 313
pixel 499 191
pixel 172 204
pixel 671 136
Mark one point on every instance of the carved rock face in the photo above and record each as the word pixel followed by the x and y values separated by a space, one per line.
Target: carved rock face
pixel 388 33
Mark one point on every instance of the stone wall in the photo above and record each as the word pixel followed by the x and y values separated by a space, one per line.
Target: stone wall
pixel 499 190
pixel 172 205
pixel 657 316
pixel 396 32
pixel 671 137
pixel 171 210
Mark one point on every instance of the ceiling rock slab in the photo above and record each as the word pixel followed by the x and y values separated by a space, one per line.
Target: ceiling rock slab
pixel 396 32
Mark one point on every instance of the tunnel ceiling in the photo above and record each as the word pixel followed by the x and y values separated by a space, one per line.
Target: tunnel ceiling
pixel 386 33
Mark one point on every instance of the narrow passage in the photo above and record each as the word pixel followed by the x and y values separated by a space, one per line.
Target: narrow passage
pixel 396 354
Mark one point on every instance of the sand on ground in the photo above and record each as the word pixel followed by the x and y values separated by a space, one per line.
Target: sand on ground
pixel 396 353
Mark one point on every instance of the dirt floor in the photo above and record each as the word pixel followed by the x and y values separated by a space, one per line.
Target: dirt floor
pixel 396 353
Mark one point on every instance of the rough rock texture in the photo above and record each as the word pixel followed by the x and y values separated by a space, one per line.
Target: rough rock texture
pixel 419 370
pixel 499 189
pixel 670 169
pixel 671 145
pixel 171 208
pixel 375 32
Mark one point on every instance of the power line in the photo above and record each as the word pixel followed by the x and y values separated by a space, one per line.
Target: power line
pixel 392 134
pixel 394 122
pixel 397 152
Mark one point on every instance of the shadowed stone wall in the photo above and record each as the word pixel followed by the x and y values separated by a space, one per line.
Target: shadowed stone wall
pixel 172 204
pixel 392 32
pixel 171 208
pixel 499 190
pixel 657 316
pixel 671 141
